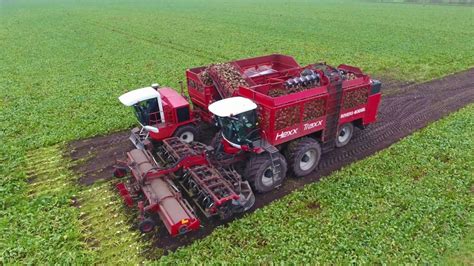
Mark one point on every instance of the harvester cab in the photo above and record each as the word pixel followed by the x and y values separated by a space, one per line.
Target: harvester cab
pixel 148 109
pixel 237 118
pixel 161 113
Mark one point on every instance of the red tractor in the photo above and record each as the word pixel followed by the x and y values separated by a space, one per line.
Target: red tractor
pixel 271 115
pixel 162 113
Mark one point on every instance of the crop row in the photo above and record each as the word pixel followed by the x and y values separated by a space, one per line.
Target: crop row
pixel 106 226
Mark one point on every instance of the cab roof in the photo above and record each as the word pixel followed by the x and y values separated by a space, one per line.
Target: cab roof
pixel 133 97
pixel 232 106
pixel 172 97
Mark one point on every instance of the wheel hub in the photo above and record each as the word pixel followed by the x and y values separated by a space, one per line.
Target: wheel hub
pixel 308 160
pixel 305 158
pixel 268 177
pixel 268 173
pixel 187 137
pixel 147 227
pixel 343 135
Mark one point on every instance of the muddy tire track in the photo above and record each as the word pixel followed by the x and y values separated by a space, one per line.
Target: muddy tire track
pixel 405 108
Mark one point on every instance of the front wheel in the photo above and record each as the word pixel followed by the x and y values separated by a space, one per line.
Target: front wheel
pixel 266 171
pixel 186 133
pixel 147 225
pixel 344 135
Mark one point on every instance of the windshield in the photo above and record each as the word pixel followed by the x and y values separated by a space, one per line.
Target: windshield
pixel 147 111
pixel 239 129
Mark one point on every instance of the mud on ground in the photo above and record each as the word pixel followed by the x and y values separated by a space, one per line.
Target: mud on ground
pixel 405 108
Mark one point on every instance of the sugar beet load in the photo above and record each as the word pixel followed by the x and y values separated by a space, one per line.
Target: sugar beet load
pixel 269 115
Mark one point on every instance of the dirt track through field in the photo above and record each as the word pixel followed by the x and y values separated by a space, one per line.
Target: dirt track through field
pixel 405 108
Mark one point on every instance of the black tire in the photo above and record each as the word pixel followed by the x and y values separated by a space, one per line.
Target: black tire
pixel 187 133
pixel 147 225
pixel 259 171
pixel 303 156
pixel 344 134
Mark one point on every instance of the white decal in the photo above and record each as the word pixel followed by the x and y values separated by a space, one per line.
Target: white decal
pixel 358 111
pixel 285 134
pixel 313 125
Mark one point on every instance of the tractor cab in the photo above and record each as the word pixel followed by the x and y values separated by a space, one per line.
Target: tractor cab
pixel 237 118
pixel 147 104
pixel 161 113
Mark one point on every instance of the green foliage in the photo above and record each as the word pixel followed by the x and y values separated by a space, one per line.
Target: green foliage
pixel 39 223
pixel 410 203
pixel 105 226
pixel 63 64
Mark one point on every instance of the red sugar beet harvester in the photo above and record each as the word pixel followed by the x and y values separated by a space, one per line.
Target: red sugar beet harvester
pixel 268 115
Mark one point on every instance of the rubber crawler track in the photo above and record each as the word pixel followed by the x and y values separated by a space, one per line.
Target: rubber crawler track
pixel 404 109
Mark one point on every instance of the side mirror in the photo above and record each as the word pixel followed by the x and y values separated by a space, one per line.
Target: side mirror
pixel 151 129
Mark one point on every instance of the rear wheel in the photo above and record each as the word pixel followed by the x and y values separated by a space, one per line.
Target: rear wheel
pixel 303 156
pixel 186 133
pixel 266 172
pixel 344 135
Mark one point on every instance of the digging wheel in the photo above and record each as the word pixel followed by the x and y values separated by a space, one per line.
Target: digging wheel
pixel 147 225
pixel 187 133
pixel 266 172
pixel 303 156
pixel 344 134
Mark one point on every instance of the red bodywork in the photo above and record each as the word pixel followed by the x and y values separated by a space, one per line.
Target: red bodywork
pixel 278 69
pixel 173 103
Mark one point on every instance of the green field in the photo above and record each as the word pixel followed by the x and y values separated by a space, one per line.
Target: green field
pixel 409 208
pixel 63 64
